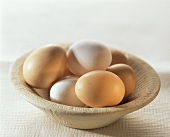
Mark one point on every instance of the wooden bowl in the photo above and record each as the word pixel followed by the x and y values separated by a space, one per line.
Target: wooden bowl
pixel 146 89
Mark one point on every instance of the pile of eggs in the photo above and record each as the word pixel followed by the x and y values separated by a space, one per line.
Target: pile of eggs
pixel 88 74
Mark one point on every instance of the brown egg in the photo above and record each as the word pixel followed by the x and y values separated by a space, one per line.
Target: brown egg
pixel 100 89
pixel 127 75
pixel 118 57
pixel 44 66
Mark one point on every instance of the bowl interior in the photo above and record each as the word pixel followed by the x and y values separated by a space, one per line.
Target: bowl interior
pixel 146 89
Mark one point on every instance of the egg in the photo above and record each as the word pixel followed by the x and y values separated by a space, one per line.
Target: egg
pixel 118 57
pixel 127 75
pixel 63 92
pixel 44 66
pixel 86 55
pixel 100 89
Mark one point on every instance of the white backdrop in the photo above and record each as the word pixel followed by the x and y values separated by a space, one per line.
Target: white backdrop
pixel 140 27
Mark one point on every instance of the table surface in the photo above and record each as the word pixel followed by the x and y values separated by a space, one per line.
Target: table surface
pixel 139 27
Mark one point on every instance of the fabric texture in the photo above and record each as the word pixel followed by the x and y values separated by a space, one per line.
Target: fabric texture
pixel 20 118
pixel 141 28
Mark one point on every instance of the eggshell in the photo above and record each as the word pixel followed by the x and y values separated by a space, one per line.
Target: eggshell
pixel 85 55
pixel 100 89
pixel 127 75
pixel 63 92
pixel 44 66
pixel 118 57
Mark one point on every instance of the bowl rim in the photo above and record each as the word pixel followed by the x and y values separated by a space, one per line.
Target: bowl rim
pixel 26 92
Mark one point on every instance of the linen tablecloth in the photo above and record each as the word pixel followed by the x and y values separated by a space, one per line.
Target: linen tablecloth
pixel 139 27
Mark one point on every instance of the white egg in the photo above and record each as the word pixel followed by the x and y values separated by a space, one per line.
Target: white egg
pixel 63 92
pixel 86 55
